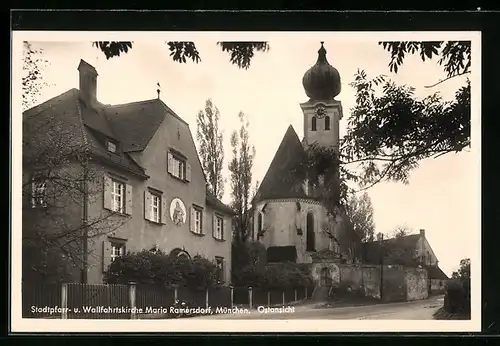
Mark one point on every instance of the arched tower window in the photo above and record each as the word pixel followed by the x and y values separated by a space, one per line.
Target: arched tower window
pixel 313 124
pixel 260 223
pixel 310 232
pixel 327 123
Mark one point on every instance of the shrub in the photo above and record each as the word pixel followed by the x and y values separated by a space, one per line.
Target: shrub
pixel 146 267
pixel 457 296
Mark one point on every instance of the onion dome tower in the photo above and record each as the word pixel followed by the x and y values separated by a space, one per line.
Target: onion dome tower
pixel 322 113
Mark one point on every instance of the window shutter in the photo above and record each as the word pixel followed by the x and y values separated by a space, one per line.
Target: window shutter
pixel 188 172
pixel 108 185
pixel 106 255
pixel 170 163
pixel 191 219
pixel 147 205
pixel 128 198
pixel 203 222
pixel 226 228
pixel 214 224
pixel 164 210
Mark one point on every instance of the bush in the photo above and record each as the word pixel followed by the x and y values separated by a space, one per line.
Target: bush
pixel 274 277
pixel 163 270
pixel 457 296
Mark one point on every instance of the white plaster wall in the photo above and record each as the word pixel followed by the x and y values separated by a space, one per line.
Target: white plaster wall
pixel 281 219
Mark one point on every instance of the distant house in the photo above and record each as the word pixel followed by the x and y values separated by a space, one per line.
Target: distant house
pixel 150 179
pixel 411 251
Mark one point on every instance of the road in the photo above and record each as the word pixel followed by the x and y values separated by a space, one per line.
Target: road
pixel 416 310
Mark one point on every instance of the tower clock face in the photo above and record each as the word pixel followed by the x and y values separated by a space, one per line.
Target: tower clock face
pixel 320 111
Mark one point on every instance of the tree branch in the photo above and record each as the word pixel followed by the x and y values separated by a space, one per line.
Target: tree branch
pixel 446 79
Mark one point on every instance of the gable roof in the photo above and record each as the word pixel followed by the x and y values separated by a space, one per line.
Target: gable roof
pixel 435 272
pixel 212 200
pixel 399 250
pixel 276 254
pixel 89 128
pixel 279 181
pixel 136 122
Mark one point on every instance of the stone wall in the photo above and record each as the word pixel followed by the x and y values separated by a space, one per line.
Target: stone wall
pixel 437 285
pixel 416 284
pixel 399 283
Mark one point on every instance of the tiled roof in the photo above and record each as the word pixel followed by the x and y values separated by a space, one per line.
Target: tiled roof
pixel 89 127
pixel 279 181
pixel 400 249
pixel 276 254
pixel 217 204
pixel 435 272
pixel 136 122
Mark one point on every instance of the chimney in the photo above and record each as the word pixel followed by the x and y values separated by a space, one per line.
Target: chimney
pixel 88 83
pixel 422 233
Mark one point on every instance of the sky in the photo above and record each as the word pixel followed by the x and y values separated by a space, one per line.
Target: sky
pixel 441 196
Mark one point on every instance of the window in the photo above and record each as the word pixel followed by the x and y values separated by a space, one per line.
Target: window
pixel 198 221
pixel 155 208
pixel 313 124
pixel 310 232
pixel 219 228
pixel 178 168
pixel 260 222
pixel 117 250
pixel 118 196
pixel 219 263
pixel 38 193
pixel 111 147
pixel 325 277
pixel 327 123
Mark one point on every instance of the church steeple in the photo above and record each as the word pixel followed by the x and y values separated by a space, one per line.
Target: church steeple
pixel 322 112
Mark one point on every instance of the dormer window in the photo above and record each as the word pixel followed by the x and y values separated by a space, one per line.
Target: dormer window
pixel 111 146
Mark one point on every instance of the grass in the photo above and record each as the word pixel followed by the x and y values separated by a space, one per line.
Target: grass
pixel 441 314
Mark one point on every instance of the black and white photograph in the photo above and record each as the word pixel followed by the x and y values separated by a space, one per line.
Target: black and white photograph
pixel 246 181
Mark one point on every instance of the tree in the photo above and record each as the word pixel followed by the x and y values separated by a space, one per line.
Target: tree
pixel 360 214
pixel 210 147
pixel 463 272
pixel 32 81
pixel 401 231
pixel 58 182
pixel 240 168
pixel 241 53
pixel 390 131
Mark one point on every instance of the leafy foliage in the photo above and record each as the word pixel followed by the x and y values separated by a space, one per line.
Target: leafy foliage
pixel 210 147
pixel 113 48
pixel 240 168
pixel 389 134
pixel 163 270
pixel 241 53
pixel 463 272
pixel 275 277
pixel 32 81
pixel 455 56
pixel 360 214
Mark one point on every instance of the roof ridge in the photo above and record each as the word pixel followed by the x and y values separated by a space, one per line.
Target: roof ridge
pixel 30 112
pixel 128 103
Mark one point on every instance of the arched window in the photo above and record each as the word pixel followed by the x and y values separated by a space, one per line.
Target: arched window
pixel 180 253
pixel 313 124
pixel 310 232
pixel 260 223
pixel 327 123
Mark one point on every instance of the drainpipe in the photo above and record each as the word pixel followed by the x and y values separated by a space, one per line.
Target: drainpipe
pixel 381 267
pixel 85 230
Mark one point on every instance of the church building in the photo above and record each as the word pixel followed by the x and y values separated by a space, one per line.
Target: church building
pixel 288 217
